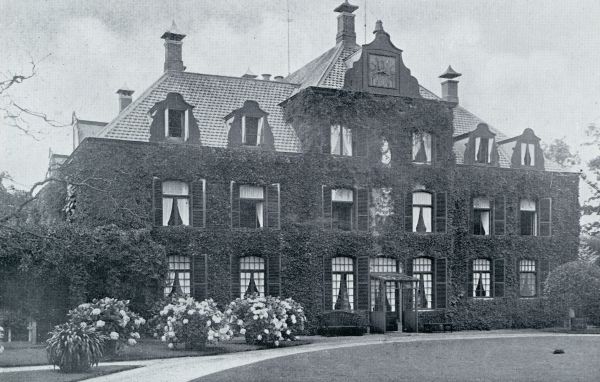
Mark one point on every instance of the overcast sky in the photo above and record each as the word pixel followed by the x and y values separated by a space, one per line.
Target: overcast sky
pixel 525 63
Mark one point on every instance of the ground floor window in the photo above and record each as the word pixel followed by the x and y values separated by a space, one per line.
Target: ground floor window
pixel 252 276
pixel 178 277
pixel 527 278
pixel 342 277
pixel 481 278
pixel 423 270
pixel 378 265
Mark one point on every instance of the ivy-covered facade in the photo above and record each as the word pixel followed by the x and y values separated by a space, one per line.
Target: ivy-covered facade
pixel 351 188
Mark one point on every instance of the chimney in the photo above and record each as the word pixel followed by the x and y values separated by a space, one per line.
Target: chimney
pixel 346 34
pixel 279 78
pixel 266 77
pixel 450 86
pixel 125 97
pixel 173 49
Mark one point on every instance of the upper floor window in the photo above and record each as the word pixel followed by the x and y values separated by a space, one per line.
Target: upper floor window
pixel 175 203
pixel 527 278
pixel 342 208
pixel 481 278
pixel 527 154
pixel 252 130
pixel 252 205
pixel 423 270
pixel 422 207
pixel 481 216
pixel 342 278
pixel 341 140
pixel 252 276
pixel 421 147
pixel 483 149
pixel 383 264
pixel 178 277
pixel 177 124
pixel 528 217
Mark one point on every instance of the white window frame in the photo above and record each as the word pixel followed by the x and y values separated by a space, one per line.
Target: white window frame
pixel 252 265
pixel 259 130
pixel 342 265
pixel 344 148
pixel 424 266
pixel 186 125
pixel 482 268
pixel 183 267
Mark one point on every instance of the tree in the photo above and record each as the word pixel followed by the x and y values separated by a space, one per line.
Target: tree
pixel 560 152
pixel 591 177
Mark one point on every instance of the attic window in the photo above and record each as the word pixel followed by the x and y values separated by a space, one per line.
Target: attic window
pixel 421 147
pixel 483 149
pixel 252 131
pixel 527 154
pixel 177 124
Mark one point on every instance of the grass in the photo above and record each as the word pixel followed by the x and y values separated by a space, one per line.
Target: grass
pixel 25 354
pixel 503 359
pixel 57 376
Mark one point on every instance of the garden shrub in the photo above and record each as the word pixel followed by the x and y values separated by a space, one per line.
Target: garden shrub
pixel 193 323
pixel 267 320
pixel 74 347
pixel 112 318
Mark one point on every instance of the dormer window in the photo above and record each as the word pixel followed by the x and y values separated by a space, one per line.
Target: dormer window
pixel 421 147
pixel 175 123
pixel 252 131
pixel 341 140
pixel 527 154
pixel 483 149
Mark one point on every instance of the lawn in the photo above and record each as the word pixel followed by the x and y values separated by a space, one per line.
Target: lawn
pixel 24 354
pixel 56 376
pixel 505 359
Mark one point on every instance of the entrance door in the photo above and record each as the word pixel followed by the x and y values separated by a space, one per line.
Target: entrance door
pixel 392 308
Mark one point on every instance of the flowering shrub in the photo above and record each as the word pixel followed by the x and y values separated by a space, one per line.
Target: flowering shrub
pixel 110 317
pixel 74 347
pixel 193 323
pixel 267 320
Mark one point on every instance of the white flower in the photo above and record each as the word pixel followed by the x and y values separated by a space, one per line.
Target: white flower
pixel 240 322
pixel 114 335
pixel 255 317
pixel 170 345
pixel 276 343
pixel 83 325
pixel 131 342
pixel 224 330
pixel 191 312
pixel 288 332
pixel 96 312
pixel 259 337
pixel 166 328
pixel 216 319
pixel 266 331
pixel 155 335
pixel 208 323
pixel 242 331
pixel 100 324
pixel 171 334
pixel 163 339
pixel 135 335
pixel 185 321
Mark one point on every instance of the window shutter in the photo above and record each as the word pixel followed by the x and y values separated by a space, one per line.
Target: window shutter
pixel 438 149
pixel 235 205
pixel 362 203
pixel 407 294
pixel 274 276
pixel 327 285
pixel 441 274
pixel 499 278
pixel 198 204
pixel 157 210
pixel 359 142
pixel 469 278
pixel 499 215
pixel 234 274
pixel 273 206
pixel 363 283
pixel 326 199
pixel 440 212
pixel 326 140
pixel 199 277
pixel 545 217
pixel 544 269
pixel 408 213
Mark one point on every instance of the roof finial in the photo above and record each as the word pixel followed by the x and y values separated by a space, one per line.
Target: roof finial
pixel 450 73
pixel 378 26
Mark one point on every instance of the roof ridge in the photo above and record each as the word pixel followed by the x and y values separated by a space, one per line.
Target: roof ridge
pixel 239 78
pixel 339 49
pixel 132 105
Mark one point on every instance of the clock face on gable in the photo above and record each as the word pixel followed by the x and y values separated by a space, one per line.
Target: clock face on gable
pixel 382 71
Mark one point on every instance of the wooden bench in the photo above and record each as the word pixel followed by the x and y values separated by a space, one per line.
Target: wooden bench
pixel 342 323
pixel 431 327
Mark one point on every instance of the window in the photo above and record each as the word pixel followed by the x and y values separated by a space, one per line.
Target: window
pixel 423 270
pixel 342 208
pixel 421 212
pixel 178 278
pixel 481 278
pixel 341 140
pixel 252 204
pixel 527 154
pixel 483 149
pixel 481 216
pixel 175 203
pixel 342 277
pixel 177 124
pixel 528 215
pixel 383 264
pixel 421 147
pixel 252 276
pixel 527 278
pixel 252 130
